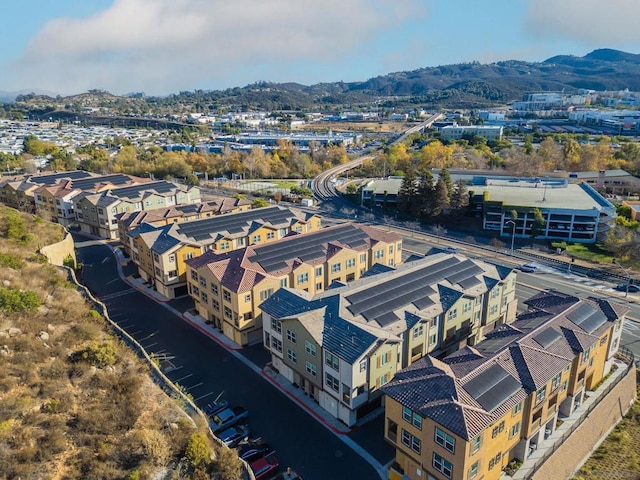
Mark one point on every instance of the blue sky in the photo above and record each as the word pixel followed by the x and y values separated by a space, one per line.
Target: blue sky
pixel 165 46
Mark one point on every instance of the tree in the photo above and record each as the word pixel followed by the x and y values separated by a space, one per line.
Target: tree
pixel 198 451
pixel 408 192
pixel 538 223
pixel 425 192
pixel 446 178
pixel 460 198
pixel 440 200
pixel 259 202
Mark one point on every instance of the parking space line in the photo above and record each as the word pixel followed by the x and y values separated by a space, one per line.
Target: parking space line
pixel 175 369
pixel 137 332
pixel 112 315
pixel 149 346
pixel 203 396
pixel 195 386
pixel 183 378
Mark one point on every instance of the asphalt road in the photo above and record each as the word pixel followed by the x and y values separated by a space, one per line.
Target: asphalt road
pixel 205 369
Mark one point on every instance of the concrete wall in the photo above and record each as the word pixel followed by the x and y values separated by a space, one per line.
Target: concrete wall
pixel 57 252
pixel 579 446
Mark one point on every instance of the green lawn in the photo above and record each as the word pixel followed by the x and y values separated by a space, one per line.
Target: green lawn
pixel 589 253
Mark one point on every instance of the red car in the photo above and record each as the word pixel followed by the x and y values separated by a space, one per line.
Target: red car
pixel 265 467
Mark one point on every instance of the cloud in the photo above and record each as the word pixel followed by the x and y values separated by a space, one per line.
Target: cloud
pixel 160 46
pixel 597 23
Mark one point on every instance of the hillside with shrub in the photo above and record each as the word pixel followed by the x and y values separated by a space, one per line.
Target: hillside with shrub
pixel 77 403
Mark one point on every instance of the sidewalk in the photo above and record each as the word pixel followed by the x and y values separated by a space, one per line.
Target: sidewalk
pixel 567 422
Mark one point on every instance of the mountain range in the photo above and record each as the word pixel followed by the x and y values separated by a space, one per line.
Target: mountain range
pixel 465 85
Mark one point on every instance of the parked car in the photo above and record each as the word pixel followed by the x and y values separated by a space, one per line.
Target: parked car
pixel 234 435
pixel 632 288
pixel 451 250
pixel 528 268
pixel 253 449
pixel 214 407
pixel 227 418
pixel 265 467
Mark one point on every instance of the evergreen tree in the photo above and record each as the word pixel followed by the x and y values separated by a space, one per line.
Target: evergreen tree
pixel 425 192
pixel 440 199
pixel 408 193
pixel 538 223
pixel 446 178
pixel 460 198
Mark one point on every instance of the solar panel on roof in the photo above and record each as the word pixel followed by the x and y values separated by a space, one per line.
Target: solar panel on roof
pixel 423 303
pixel 387 319
pixel 547 337
pixel 582 312
pixel 492 387
pixel 469 282
pixel 593 322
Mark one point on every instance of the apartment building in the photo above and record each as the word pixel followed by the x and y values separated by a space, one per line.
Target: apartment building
pixel 96 212
pixel 384 321
pixel 467 416
pixel 130 221
pixel 55 202
pixel 160 252
pixel 229 287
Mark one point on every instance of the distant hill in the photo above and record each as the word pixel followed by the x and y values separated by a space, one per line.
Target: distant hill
pixel 465 85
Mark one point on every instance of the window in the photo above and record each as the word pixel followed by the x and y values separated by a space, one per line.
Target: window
pixel 555 381
pixel 204 297
pixel 363 365
pixel 195 291
pixel 406 414
pixel 303 278
pixel 226 294
pixel 194 275
pixel 247 297
pixel 378 254
pixel 540 394
pixel 335 268
pixel 466 307
pixel 412 417
pixel 495 461
pixel 255 238
pixel 432 339
pixel 363 258
pixel 443 466
pixel 517 409
pixel 475 445
pixel 332 382
pixel 271 235
pixel 214 289
pixel 419 331
pixel 276 325
pixel 188 256
pixel 215 304
pixel 276 344
pixel 203 281
pixel 445 440
pixel 351 262
pixel 392 430
pixel 318 271
pixel 390 249
pixel 310 348
pixel 495 292
pixel 383 380
pixel 227 312
pixel 493 310
pixel 411 441
pixel 319 286
pixel 283 282
pixel 603 340
pixel 473 471
pixel 331 360
pixel 514 430
pixel 311 369
pixel 291 355
pixel 564 386
pixel 224 245
pixel 585 355
pixel 385 358
pixel 452 314
pixel 264 294
pixel 497 430
pixel 291 336
pixel 172 258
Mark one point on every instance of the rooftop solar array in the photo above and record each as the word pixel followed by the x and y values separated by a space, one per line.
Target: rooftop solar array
pixel 209 227
pixel 133 191
pixel 54 177
pixel 274 256
pixel 415 288
pixel 492 387
pixel 89 183
pixel 547 337
pixel 587 317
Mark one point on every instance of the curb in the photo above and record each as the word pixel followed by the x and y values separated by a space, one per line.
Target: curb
pixel 200 328
pixel 302 404
pixel 144 291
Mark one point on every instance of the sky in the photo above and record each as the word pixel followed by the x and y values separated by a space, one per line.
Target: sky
pixel 161 47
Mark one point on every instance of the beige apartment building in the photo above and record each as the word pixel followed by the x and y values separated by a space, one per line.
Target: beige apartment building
pixel 228 288
pixel 467 416
pixel 342 345
pixel 160 252
pixel 96 213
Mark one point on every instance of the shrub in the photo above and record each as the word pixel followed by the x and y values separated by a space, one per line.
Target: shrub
pixel 198 452
pixel 15 300
pixel 100 355
pixel 8 260
pixel 69 261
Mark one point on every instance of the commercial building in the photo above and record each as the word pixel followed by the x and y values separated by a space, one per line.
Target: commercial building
pixel 229 287
pixel 96 213
pixel 467 416
pixel 573 213
pixel 342 345
pixel 457 132
pixel 160 252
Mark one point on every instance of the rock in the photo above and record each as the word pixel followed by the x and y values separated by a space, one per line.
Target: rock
pixel 6 283
pixel 4 335
pixel 44 336
pixel 13 331
pixel 51 328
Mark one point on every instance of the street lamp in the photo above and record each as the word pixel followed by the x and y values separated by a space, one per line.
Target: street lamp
pixel 513 232
pixel 626 272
